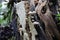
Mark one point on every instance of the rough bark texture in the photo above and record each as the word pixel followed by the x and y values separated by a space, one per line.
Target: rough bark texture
pixel 50 26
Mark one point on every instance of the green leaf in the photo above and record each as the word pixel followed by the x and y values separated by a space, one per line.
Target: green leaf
pixel 58 15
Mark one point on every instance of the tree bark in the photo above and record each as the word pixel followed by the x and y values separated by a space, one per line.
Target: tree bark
pixel 50 26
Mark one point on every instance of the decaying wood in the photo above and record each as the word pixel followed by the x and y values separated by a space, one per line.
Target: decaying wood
pixel 32 32
pixel 50 26
pixel 27 24
pixel 32 29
